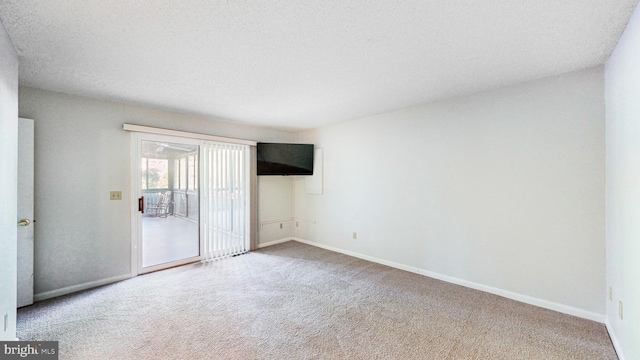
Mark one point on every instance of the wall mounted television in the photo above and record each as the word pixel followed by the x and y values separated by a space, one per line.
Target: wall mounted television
pixel 285 159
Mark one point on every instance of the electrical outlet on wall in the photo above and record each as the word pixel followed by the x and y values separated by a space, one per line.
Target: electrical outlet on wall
pixel 280 225
pixel 115 195
pixel 355 236
pixel 610 293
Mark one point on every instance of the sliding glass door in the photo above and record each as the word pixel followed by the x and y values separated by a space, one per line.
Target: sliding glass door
pixel 192 200
pixel 168 202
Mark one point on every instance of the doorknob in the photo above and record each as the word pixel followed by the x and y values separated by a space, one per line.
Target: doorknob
pixel 24 222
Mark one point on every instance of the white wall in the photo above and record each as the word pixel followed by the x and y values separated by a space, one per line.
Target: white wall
pixel 503 190
pixel 275 193
pixel 8 183
pixel 82 153
pixel 623 190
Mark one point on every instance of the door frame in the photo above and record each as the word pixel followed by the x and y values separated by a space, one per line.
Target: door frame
pixel 136 193
pixel 26 201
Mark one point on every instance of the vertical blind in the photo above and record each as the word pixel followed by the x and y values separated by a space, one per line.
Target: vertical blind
pixel 226 187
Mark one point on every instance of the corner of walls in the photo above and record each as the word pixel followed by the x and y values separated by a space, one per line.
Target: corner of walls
pixel 622 93
pixel 276 203
pixel 496 190
pixel 614 339
pixel 305 219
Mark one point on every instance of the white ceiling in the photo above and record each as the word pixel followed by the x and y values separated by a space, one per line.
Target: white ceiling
pixel 298 64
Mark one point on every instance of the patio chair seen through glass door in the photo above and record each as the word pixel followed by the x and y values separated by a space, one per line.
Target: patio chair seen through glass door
pixel 169 204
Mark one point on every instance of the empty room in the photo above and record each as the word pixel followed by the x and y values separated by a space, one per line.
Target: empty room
pixel 420 179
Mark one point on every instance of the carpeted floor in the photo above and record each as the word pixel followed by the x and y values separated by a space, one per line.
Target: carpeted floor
pixel 295 301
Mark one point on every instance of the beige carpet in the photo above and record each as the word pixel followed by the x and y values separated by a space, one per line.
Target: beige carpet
pixel 295 301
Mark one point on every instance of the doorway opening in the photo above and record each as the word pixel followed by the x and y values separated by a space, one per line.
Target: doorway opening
pixel 192 200
pixel 166 181
pixel 169 183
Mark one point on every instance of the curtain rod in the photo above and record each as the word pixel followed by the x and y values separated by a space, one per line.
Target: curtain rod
pixel 185 134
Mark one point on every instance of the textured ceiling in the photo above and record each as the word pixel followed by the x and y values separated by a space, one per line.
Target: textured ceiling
pixel 298 64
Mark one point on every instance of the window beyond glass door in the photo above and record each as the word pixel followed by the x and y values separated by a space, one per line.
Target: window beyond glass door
pixel 170 221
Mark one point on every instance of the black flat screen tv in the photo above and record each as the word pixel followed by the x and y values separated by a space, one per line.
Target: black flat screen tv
pixel 285 159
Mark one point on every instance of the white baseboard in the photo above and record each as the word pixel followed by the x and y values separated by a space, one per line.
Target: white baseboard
pixel 92 284
pixel 614 339
pixel 75 288
pixel 450 279
pixel 274 242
